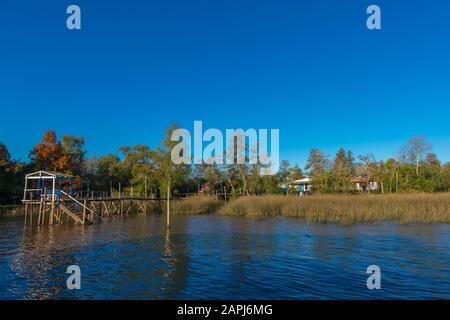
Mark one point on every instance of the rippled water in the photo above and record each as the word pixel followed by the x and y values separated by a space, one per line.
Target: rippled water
pixel 215 257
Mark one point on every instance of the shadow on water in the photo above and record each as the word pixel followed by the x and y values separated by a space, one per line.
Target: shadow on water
pixel 216 257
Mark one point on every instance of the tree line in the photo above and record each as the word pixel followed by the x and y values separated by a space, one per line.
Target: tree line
pixel 151 171
pixel 414 169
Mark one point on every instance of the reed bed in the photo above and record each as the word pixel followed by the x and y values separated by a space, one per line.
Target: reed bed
pixel 347 209
pixel 10 210
pixel 194 205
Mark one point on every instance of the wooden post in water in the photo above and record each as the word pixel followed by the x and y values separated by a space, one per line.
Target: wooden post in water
pixel 168 205
pixel 84 210
pixel 44 204
pixel 131 198
pixel 50 221
pixel 146 196
pixel 120 199
pixel 40 211
pixel 26 212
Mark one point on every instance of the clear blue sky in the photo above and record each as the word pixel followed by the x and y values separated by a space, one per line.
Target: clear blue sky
pixel 310 68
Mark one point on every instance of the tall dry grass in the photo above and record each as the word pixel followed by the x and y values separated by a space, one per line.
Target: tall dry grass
pixel 10 210
pixel 347 209
pixel 195 205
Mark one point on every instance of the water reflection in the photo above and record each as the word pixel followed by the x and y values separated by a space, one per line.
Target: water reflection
pixel 223 258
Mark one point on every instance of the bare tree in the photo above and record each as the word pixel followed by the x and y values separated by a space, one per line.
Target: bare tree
pixel 415 151
pixel 367 163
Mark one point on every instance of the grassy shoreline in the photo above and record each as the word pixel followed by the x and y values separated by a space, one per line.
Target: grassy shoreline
pixel 347 209
pixel 10 210
pixel 422 208
pixel 195 205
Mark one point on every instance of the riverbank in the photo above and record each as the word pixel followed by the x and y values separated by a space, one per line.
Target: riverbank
pixel 347 209
pixel 424 208
pixel 10 210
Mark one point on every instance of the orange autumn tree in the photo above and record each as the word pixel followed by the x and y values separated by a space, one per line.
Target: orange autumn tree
pixel 49 154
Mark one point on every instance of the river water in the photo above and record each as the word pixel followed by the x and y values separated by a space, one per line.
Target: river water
pixel 216 257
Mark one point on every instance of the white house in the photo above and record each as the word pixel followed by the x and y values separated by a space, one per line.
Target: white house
pixel 364 184
pixel 303 186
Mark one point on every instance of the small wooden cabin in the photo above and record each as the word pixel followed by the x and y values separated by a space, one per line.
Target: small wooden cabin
pixel 365 184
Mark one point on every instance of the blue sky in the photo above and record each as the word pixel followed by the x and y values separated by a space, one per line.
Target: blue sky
pixel 310 68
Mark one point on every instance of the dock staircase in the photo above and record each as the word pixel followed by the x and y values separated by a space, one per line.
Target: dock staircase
pixel 74 216
pixel 76 210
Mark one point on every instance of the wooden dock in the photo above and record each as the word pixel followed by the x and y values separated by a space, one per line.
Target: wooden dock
pixel 49 199
pixel 68 209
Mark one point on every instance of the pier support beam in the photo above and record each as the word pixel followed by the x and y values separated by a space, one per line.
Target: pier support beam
pixel 26 213
pixel 168 205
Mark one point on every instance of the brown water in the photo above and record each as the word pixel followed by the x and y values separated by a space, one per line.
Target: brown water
pixel 216 257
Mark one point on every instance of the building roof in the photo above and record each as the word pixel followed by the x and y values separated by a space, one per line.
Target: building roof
pixel 47 175
pixel 300 181
pixel 359 180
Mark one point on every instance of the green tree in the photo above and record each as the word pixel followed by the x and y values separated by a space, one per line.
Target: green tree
pixel 11 176
pixel 444 178
pixel 140 162
pixel 170 175
pixel 110 172
pixel 296 173
pixel 342 170
pixel 5 170
pixel 73 148
pixel 317 168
